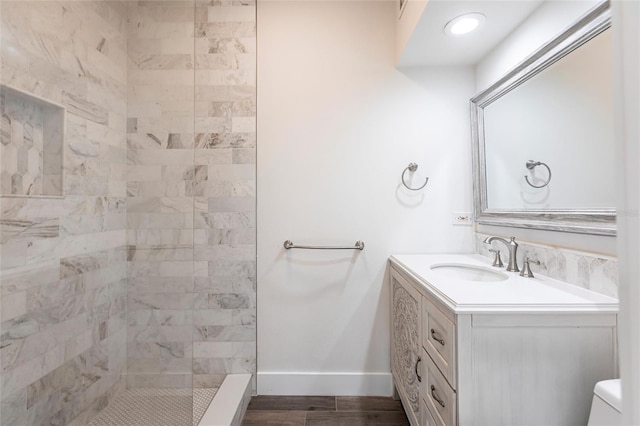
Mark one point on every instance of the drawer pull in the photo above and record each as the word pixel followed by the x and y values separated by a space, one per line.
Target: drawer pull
pixel 435 336
pixel 418 375
pixel 434 396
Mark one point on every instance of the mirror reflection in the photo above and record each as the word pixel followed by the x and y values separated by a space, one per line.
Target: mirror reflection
pixel 543 136
pixel 549 142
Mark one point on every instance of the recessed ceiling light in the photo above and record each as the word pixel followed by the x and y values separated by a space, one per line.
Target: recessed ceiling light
pixel 464 24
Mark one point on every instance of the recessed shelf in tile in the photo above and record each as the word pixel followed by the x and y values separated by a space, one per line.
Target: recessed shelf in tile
pixel 31 144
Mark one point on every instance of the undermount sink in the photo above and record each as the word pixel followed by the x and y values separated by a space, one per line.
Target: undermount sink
pixel 461 271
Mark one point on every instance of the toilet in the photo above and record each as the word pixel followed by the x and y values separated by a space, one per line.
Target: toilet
pixel 605 407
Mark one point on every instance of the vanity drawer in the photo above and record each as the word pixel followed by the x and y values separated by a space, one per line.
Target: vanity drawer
pixel 439 339
pixel 427 417
pixel 439 397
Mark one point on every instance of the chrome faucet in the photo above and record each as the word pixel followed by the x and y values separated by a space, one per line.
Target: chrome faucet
pixel 512 246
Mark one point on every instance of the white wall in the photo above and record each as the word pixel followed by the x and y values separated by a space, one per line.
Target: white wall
pixel 550 19
pixel 337 124
pixel 626 25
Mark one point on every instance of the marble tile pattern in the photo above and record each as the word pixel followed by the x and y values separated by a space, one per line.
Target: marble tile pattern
pixel 224 190
pixel 63 260
pixel 160 166
pixel 31 131
pixel 587 270
pixel 191 192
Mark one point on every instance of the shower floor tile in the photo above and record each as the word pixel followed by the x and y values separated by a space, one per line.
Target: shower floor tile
pixel 156 407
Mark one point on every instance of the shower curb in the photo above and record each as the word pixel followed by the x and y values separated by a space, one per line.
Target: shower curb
pixel 230 403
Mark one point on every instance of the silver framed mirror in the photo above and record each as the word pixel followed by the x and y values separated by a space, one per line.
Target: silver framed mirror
pixel 542 144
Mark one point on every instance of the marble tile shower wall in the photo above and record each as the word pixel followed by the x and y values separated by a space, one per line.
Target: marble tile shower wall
pixel 160 133
pixel 225 190
pixel 587 270
pixel 191 192
pixel 63 260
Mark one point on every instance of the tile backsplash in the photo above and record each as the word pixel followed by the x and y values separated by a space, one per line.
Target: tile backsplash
pixel 588 270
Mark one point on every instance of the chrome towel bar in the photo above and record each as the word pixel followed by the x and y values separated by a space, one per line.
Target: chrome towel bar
pixel 359 245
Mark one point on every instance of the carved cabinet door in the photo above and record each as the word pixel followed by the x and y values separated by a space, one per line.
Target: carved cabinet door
pixel 405 345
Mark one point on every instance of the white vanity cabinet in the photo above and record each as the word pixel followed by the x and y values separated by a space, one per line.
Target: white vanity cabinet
pixel 493 361
pixel 406 353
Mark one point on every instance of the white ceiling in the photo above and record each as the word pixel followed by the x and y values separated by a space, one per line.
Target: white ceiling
pixel 429 45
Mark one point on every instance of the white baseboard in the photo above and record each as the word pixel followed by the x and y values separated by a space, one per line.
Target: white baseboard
pixel 318 384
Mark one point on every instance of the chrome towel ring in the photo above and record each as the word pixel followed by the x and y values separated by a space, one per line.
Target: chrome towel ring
pixel 532 165
pixel 412 167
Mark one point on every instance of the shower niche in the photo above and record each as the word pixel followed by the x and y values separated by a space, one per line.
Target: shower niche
pixel 31 144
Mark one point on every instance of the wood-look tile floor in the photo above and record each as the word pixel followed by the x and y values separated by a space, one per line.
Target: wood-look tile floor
pixel 324 411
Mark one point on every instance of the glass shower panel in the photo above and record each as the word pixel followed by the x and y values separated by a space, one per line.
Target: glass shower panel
pixel 160 208
pixel 225 190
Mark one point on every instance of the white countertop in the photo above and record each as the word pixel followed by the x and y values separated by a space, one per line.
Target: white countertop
pixel 516 294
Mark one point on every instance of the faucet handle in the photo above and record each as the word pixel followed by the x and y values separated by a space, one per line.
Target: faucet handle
pixel 497 261
pixel 526 269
